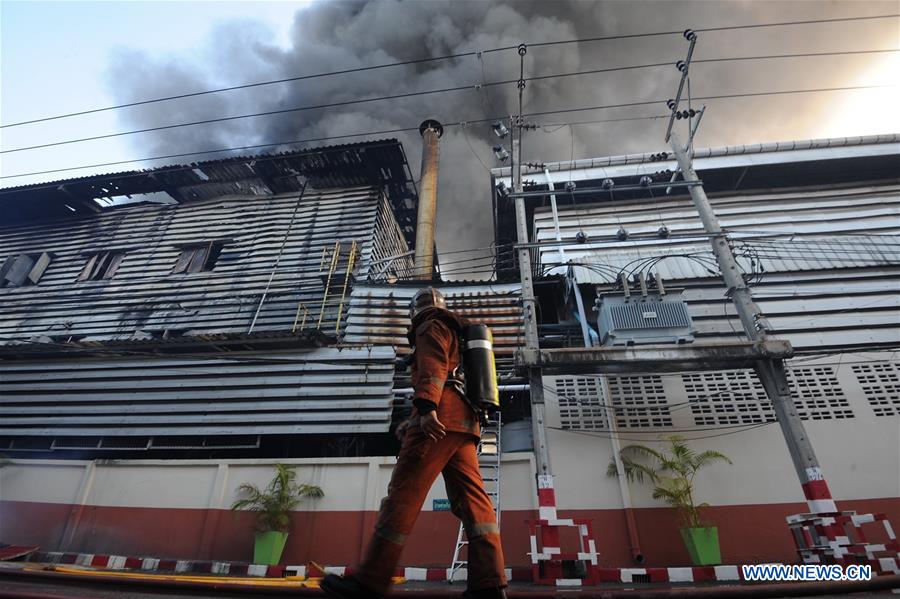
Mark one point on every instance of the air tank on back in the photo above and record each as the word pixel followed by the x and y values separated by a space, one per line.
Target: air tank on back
pixel 480 368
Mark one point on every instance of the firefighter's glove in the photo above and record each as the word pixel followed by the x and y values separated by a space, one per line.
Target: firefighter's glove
pixel 400 432
pixel 431 426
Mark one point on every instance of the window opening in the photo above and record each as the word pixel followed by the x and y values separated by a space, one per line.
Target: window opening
pixel 100 266
pixel 198 257
pixel 24 269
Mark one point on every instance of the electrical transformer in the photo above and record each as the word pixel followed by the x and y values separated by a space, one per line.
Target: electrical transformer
pixel 650 314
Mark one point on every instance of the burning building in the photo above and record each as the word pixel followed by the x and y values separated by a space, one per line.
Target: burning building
pixel 220 317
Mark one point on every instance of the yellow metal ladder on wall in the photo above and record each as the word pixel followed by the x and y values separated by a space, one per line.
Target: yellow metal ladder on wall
pixel 489 464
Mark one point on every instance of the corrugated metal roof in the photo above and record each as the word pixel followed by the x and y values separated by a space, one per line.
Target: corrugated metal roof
pixel 323 390
pixel 723 156
pixel 380 162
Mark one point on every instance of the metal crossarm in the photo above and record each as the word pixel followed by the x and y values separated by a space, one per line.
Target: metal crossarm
pixel 489 463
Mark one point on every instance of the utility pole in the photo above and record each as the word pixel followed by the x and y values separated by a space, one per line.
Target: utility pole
pixel 771 371
pixel 529 311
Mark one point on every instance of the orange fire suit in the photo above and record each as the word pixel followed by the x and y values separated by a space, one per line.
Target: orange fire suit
pixel 421 459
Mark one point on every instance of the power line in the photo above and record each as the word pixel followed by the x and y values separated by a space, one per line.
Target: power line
pixel 711 29
pixel 408 129
pixel 718 97
pixel 257 114
pixel 433 59
pixel 433 91
pixel 598 121
pixel 250 85
pixel 657 432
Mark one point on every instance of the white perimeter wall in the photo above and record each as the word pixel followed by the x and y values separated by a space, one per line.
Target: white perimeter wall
pixel 350 484
pixel 860 456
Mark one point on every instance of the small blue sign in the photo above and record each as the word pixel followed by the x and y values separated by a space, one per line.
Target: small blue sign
pixel 440 505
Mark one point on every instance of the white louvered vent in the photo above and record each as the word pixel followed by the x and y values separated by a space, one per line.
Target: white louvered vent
pixel 639 401
pixel 818 394
pixel 727 397
pixel 581 403
pixel 880 382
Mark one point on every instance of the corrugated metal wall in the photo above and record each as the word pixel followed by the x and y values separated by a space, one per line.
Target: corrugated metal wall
pixel 785 232
pixel 135 394
pixel 323 390
pixel 144 296
pixel 825 264
pixel 379 314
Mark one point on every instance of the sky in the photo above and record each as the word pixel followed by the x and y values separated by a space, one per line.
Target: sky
pixel 59 57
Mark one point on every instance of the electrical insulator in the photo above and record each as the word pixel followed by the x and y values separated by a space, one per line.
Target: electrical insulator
pixel 501 153
pixel 671 104
pixel 500 130
pixel 692 113
pixel 689 35
pixel 523 48
pixel 607 184
pixel 678 115
pixel 622 234
pixel 645 181
pixel 502 190
pixel 681 65
pixel 663 232
pixel 570 186
pixel 581 237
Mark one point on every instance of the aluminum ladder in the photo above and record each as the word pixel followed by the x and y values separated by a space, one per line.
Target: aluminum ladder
pixel 489 464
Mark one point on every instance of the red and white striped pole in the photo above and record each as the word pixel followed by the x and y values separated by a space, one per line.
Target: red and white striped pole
pixel 815 489
pixel 818 496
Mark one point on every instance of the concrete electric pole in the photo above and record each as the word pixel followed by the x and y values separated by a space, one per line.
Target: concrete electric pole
pixel 529 313
pixel 771 371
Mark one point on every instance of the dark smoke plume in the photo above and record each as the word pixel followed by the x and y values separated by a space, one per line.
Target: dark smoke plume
pixel 330 36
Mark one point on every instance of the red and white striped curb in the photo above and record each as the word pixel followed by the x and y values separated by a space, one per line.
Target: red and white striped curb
pixel 152 564
pixel 606 575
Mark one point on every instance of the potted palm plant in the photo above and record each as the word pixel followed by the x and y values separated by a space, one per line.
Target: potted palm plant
pixel 671 471
pixel 273 506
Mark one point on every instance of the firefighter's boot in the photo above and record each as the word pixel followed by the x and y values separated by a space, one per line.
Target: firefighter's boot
pixel 485 594
pixel 346 587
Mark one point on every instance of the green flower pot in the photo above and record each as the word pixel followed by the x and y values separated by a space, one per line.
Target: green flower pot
pixel 702 545
pixel 268 546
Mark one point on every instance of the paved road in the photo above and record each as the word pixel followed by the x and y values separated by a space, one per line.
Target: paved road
pixel 59 590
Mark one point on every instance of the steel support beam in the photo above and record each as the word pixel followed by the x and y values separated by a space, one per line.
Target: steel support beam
pixel 653 358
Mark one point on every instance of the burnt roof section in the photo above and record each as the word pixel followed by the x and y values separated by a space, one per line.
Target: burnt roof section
pixel 381 162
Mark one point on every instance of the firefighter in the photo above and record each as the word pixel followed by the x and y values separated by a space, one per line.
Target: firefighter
pixel 440 437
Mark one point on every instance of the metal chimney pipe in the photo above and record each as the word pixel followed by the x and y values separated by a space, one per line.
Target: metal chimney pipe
pixel 431 131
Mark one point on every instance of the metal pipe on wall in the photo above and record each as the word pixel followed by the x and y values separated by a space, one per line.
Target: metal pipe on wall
pixel 431 131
